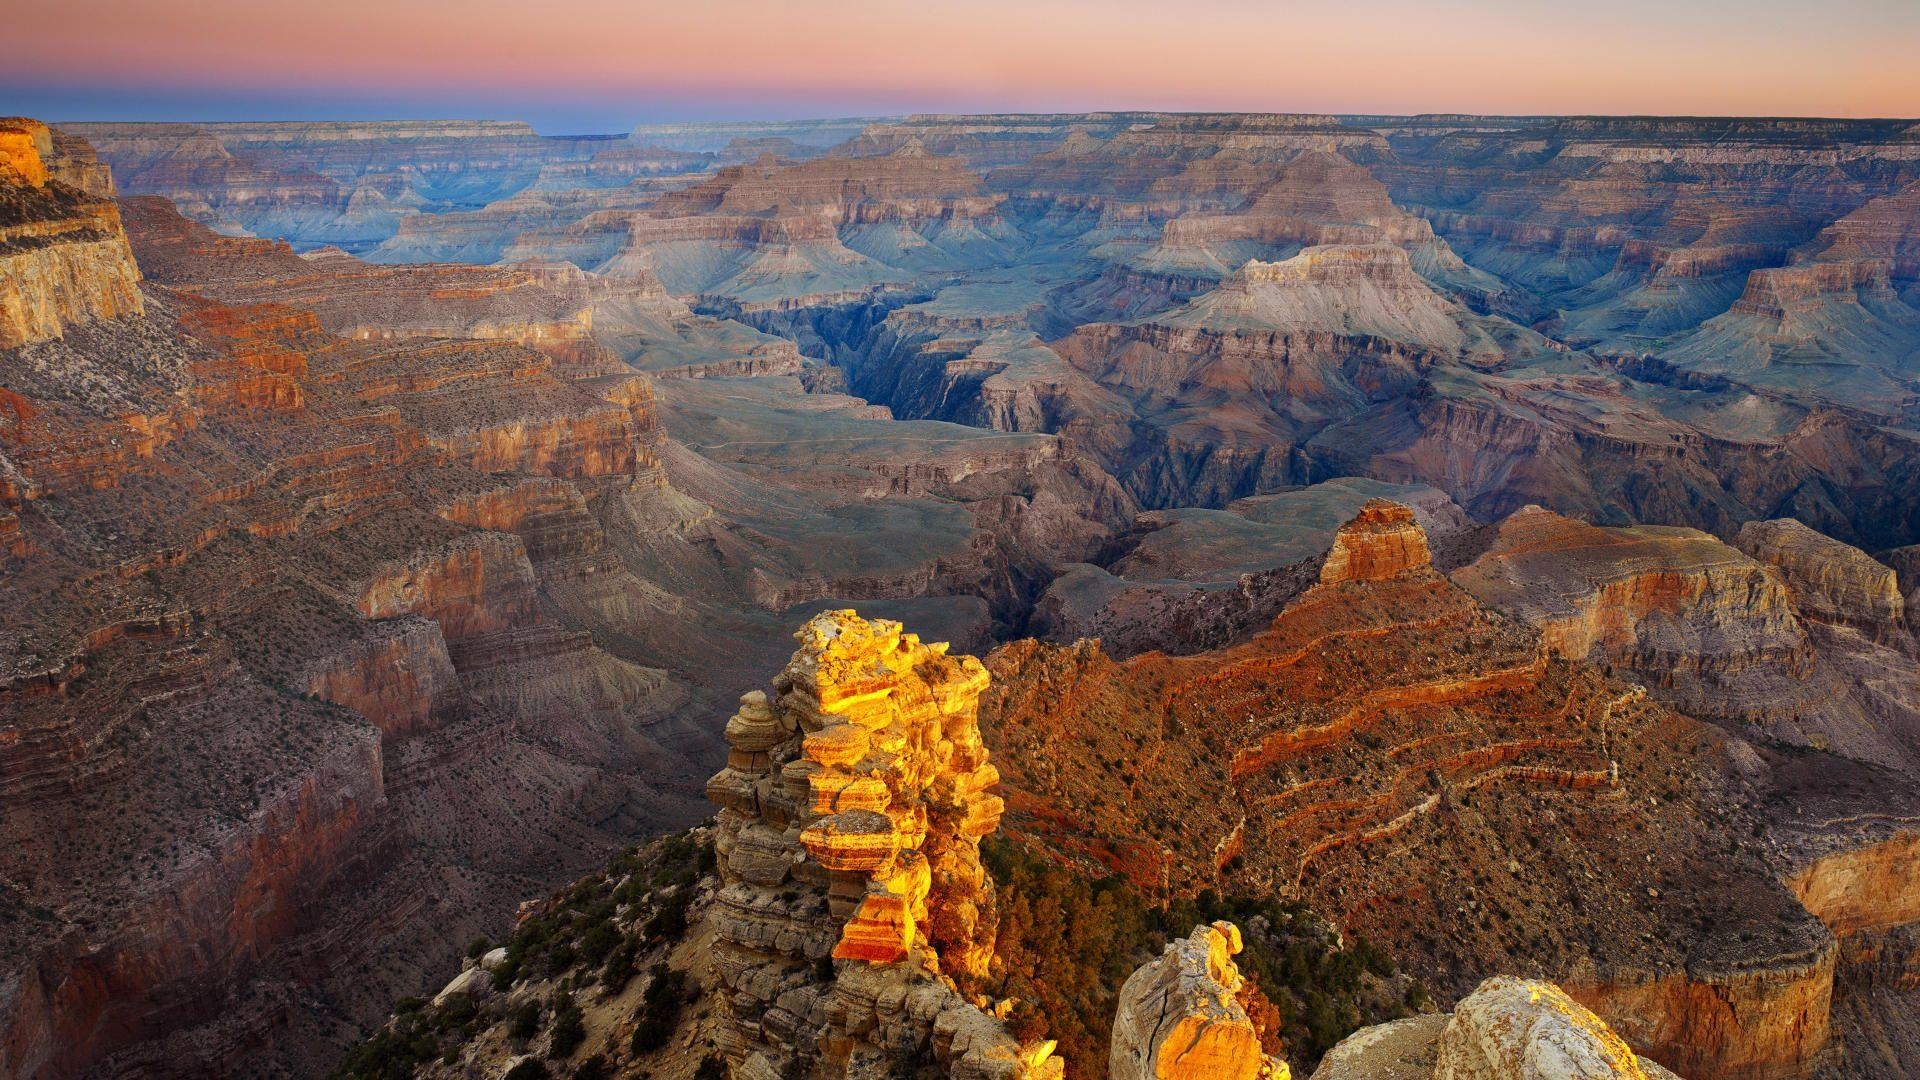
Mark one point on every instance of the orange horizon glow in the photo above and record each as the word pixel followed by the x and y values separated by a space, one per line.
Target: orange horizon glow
pixel 1697 57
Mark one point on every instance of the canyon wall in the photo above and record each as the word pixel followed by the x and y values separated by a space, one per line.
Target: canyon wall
pixel 254 653
pixel 63 258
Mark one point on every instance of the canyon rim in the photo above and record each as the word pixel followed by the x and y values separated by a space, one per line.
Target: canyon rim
pixel 967 584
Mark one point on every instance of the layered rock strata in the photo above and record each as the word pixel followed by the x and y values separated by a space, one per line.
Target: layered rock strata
pixel 1775 630
pixel 1830 581
pixel 1382 541
pixel 263 617
pixel 852 807
pixel 63 257
pixel 1391 748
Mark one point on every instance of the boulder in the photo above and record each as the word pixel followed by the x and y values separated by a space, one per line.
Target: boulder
pixel 1520 1029
pixel 1180 1017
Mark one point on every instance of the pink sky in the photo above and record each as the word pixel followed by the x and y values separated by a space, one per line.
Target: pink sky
pixel 1839 58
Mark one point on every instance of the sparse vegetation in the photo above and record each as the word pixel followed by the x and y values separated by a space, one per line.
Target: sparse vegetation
pixel 592 938
pixel 1066 945
pixel 569 1029
pixel 668 992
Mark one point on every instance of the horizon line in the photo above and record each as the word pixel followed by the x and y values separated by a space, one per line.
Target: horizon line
pixel 1066 114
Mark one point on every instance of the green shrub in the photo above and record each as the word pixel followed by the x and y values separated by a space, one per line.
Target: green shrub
pixel 660 1008
pixel 569 1030
pixel 524 1020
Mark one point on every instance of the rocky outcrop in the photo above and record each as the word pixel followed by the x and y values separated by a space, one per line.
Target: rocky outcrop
pixel 1714 629
pixel 1508 1029
pixel 1786 293
pixel 1622 594
pixel 1179 1017
pixel 1368 745
pixel 25 146
pixel 63 256
pixel 1533 1031
pixel 1674 604
pixel 1830 581
pixel 1382 541
pixel 1348 289
pixel 852 807
pixel 1318 198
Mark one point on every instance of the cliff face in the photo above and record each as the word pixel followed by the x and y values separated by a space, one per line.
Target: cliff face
pixel 257 644
pixel 1381 542
pixel 1674 604
pixel 1723 631
pixel 1830 581
pixel 1864 890
pixel 852 808
pixel 63 257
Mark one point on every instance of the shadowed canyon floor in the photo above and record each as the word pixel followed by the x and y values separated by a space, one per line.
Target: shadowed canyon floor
pixel 1493 535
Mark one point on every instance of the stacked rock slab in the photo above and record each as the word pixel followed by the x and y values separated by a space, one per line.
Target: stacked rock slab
pixel 1508 1029
pixel 1180 1017
pixel 852 808
pixel 1382 541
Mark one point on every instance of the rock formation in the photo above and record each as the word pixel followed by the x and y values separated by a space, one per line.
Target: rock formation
pixel 297 617
pixel 852 807
pixel 1389 732
pixel 1714 629
pixel 1382 541
pixel 1683 273
pixel 63 257
pixel 1829 580
pixel 1180 1017
pixel 424 527
pixel 1508 1029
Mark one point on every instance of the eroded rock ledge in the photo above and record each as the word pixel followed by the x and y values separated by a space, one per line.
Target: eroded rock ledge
pixel 63 257
pixel 853 803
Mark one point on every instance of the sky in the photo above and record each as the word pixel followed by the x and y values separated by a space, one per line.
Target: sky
pixel 576 66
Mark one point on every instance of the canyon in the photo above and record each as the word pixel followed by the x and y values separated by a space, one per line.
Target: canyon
pixel 1476 553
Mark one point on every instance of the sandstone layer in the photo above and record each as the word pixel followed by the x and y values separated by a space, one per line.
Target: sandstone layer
pixel 852 808
pixel 63 258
